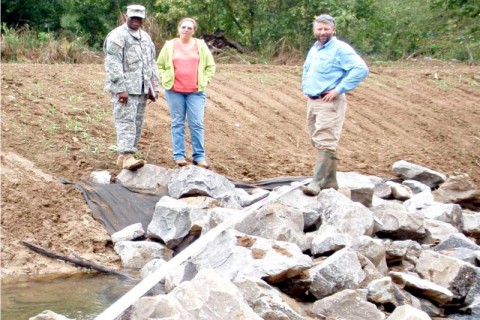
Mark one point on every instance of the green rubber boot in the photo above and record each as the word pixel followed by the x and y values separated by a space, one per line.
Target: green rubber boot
pixel 324 174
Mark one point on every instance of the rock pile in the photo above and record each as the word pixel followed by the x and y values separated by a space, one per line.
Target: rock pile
pixel 374 249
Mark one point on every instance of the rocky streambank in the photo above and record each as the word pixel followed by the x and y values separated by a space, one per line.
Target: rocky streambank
pixel 374 249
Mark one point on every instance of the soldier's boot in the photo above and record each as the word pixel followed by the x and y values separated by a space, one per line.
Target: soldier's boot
pixel 324 174
pixel 120 161
pixel 131 163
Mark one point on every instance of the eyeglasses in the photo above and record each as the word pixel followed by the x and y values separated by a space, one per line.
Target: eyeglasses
pixel 185 27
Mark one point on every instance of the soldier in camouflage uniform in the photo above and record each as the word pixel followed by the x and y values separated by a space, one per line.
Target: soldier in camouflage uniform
pixel 132 78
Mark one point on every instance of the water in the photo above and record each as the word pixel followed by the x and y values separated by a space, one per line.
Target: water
pixel 77 297
pixel 81 297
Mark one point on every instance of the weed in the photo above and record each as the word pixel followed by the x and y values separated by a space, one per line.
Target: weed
pixel 53 128
pixel 73 125
pixel 375 82
pixel 88 117
pixel 52 110
pixel 113 148
pixel 95 150
pixel 76 98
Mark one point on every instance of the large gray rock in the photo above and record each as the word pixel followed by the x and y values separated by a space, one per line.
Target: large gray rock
pixel 472 300
pixel 233 254
pixel 151 267
pixel 399 191
pixel 437 231
pixel 459 189
pixel 101 177
pixel 384 291
pixel 419 201
pixel 351 218
pixel 347 304
pixel 464 254
pixel 327 239
pixel 453 274
pixel 373 250
pixel 471 223
pixel 171 221
pixel 360 186
pixel 149 177
pixel 457 240
pixel 340 271
pixel 160 307
pixel 422 287
pixel 449 213
pixel 135 254
pixel 216 216
pixel 197 181
pixel 49 315
pixel 407 312
pixel 148 269
pixel 415 186
pixel 398 251
pixel 247 199
pixel 208 296
pixel 306 204
pixel 382 189
pixel 265 300
pixel 398 223
pixel 131 232
pixel 277 222
pixel 411 171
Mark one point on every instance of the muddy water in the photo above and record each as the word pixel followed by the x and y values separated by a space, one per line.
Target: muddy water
pixel 78 297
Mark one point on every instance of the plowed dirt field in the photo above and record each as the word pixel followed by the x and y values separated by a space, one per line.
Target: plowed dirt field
pixel 57 123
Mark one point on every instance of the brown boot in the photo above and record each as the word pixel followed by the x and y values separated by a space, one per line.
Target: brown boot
pixel 130 163
pixel 201 163
pixel 120 161
pixel 181 162
pixel 324 174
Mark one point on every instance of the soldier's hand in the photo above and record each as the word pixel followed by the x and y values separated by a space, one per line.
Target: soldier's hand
pixel 123 97
pixel 152 97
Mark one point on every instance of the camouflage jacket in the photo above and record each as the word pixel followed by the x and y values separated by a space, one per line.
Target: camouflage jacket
pixel 130 62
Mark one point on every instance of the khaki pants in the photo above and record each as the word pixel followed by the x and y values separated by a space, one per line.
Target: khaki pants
pixel 325 122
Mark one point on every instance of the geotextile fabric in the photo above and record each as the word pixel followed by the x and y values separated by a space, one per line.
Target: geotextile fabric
pixel 117 206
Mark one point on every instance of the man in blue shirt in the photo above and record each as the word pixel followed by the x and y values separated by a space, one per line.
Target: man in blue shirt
pixel 331 69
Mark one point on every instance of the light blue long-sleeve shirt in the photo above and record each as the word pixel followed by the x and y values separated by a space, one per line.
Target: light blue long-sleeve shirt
pixel 332 66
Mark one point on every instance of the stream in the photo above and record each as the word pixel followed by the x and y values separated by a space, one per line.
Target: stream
pixel 78 297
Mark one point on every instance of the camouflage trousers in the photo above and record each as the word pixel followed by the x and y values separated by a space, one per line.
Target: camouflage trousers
pixel 129 121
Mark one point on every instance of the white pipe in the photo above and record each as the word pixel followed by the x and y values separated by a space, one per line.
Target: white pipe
pixel 122 304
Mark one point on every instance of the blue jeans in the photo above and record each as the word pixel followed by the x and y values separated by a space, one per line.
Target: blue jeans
pixel 192 107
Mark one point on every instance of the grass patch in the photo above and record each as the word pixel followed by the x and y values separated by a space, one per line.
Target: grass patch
pixel 27 45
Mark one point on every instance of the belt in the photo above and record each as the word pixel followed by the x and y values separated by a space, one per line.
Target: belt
pixel 318 96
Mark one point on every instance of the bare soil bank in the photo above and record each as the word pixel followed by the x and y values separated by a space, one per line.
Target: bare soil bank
pixel 59 120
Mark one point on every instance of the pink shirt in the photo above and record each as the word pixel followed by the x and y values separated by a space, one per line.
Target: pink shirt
pixel 185 63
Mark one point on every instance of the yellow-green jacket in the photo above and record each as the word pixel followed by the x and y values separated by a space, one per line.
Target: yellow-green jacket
pixel 206 65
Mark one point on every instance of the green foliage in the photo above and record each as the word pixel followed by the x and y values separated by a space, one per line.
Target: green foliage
pixel 27 45
pixel 269 29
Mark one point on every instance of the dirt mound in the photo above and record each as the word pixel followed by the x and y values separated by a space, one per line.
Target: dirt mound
pixel 57 122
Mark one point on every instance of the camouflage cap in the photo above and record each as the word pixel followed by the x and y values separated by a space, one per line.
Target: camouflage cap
pixel 136 10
